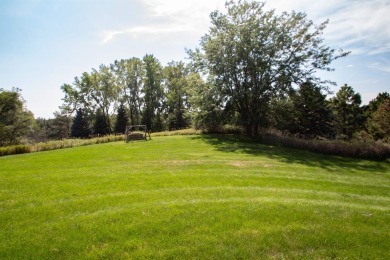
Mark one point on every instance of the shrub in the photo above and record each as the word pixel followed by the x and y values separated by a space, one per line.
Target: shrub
pixel 15 149
pixel 188 131
pixel 225 129
pixel 60 144
pixel 362 150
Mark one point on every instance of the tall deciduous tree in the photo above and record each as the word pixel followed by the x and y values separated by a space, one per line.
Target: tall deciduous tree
pixel 206 110
pixel 251 54
pixel 93 91
pixel 15 120
pixel 153 93
pixel 348 117
pixel 72 99
pixel 129 75
pixel 176 83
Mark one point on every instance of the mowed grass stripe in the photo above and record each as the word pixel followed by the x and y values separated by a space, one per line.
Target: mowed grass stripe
pixel 250 193
pixel 192 197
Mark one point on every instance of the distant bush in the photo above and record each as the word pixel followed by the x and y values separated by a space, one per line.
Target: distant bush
pixel 188 131
pixel 362 150
pixel 225 129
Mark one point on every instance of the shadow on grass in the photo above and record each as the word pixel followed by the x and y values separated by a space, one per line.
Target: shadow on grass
pixel 234 143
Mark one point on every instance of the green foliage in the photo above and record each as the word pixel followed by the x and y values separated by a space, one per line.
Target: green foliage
pixel 281 113
pixel 348 116
pixel 362 150
pixel 129 76
pixel 101 125
pixel 16 122
pixel 153 94
pixel 251 54
pixel 41 129
pixel 206 111
pixel 198 197
pixel 72 98
pixel 177 105
pixel 59 144
pixel 15 149
pixel 93 91
pixel 374 104
pixel 54 129
pixel 310 115
pixel 188 131
pixel 121 120
pixel 80 126
pixel 69 143
pixel 379 122
pixel 60 126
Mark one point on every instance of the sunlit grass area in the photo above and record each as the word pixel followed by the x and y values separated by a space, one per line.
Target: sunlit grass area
pixel 213 197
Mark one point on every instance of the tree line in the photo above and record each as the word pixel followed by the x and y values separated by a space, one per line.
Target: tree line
pixel 133 91
pixel 253 70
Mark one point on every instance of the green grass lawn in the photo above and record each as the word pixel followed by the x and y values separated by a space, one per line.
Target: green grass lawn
pixel 204 197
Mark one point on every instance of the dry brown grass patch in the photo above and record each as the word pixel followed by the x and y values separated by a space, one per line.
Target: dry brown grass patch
pixel 246 164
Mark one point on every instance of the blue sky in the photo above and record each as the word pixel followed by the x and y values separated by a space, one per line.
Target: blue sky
pixel 46 43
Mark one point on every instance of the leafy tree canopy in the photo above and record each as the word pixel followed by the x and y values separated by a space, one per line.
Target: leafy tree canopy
pixel 15 120
pixel 176 84
pixel 251 54
pixel 348 116
pixel 379 122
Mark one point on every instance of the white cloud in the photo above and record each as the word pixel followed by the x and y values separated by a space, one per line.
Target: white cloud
pixel 182 10
pixel 138 31
pixel 381 66
pixel 107 36
pixel 359 26
pixel 170 17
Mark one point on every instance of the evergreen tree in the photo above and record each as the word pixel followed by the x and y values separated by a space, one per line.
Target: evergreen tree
pixel 101 126
pixel 379 123
pixel 374 104
pixel 281 113
pixel 311 115
pixel 348 116
pixel 371 108
pixel 80 127
pixel 121 120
